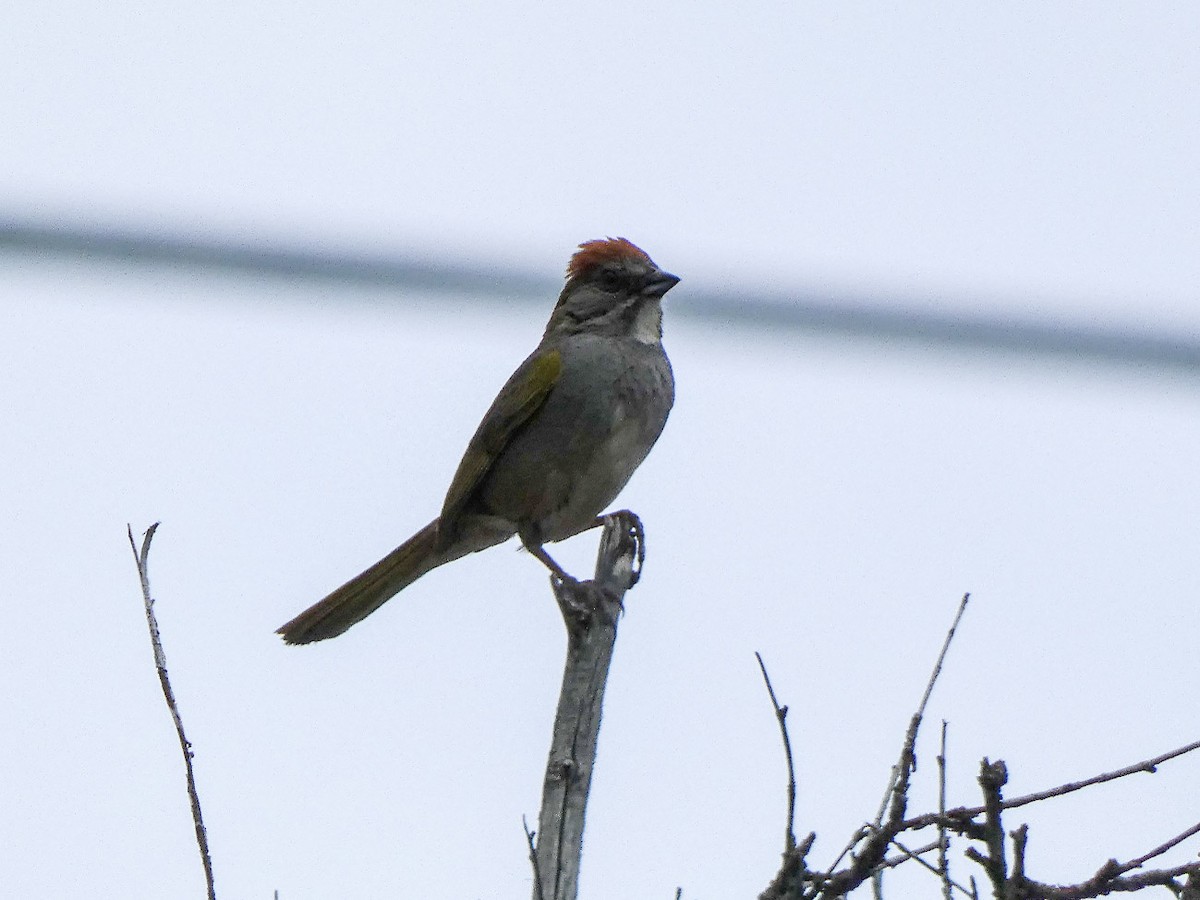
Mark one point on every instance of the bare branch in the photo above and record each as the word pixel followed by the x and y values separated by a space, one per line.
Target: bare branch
pixel 1020 839
pixel 533 861
pixel 1149 765
pixel 142 560
pixel 915 855
pixel 1110 878
pixel 793 875
pixel 879 835
pixel 870 844
pixel 1161 848
pixel 992 778
pixel 1105 881
pixel 943 835
pixel 781 716
pixel 937 668
pixel 964 813
pixel 906 854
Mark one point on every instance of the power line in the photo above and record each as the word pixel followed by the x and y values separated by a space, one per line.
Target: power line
pixel 856 317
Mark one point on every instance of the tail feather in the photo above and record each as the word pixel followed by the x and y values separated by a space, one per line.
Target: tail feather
pixel 369 590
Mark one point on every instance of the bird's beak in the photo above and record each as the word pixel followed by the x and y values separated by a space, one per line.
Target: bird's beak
pixel 660 284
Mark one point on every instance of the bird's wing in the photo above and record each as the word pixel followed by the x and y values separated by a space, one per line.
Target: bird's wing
pixel 522 395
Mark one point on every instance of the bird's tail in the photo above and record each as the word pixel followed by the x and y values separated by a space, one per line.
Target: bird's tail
pixel 369 590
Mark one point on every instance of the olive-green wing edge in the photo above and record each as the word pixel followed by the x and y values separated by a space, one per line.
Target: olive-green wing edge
pixel 520 398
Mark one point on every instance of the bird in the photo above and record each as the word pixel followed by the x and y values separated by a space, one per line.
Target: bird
pixel 560 441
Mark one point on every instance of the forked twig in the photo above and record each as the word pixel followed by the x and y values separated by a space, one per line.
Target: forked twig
pixel 142 559
pixel 1110 878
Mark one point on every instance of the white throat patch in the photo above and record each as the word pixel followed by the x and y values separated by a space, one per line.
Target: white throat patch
pixel 647 326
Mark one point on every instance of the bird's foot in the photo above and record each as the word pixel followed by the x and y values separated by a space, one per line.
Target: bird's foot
pixel 616 543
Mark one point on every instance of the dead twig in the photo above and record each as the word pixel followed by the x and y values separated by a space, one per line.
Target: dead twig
pixel 1161 849
pixel 781 716
pixel 142 560
pixel 992 778
pixel 1109 878
pixel 793 876
pixel 533 860
pixel 1105 882
pixel 870 844
pixel 963 813
pixel 937 668
pixel 1020 839
pixel 943 834
pixel 879 835
pixel 915 855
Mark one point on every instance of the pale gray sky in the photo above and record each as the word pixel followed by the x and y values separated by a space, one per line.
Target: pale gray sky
pixel 823 501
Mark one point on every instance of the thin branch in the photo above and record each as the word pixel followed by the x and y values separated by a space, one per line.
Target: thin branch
pixel 915 855
pixel 1149 765
pixel 878 836
pixel 964 813
pixel 857 836
pixel 1161 849
pixel 868 848
pixel 781 716
pixel 943 835
pixel 1105 881
pixel 906 854
pixel 1109 877
pixel 898 786
pixel 142 560
pixel 937 669
pixel 881 833
pixel 906 768
pixel 893 775
pixel 533 860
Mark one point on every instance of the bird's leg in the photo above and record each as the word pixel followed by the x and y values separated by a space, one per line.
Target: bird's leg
pixel 539 552
pixel 633 525
pixel 574 597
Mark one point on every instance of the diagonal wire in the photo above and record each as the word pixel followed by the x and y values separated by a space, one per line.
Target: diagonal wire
pixel 877 318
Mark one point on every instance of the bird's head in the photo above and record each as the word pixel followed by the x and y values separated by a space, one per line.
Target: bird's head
pixel 613 288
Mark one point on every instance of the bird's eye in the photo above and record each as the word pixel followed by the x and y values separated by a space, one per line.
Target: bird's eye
pixel 609 280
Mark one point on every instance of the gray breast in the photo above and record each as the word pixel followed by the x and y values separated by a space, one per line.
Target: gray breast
pixel 578 451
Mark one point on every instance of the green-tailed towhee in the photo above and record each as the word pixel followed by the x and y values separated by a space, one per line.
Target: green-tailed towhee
pixel 561 439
